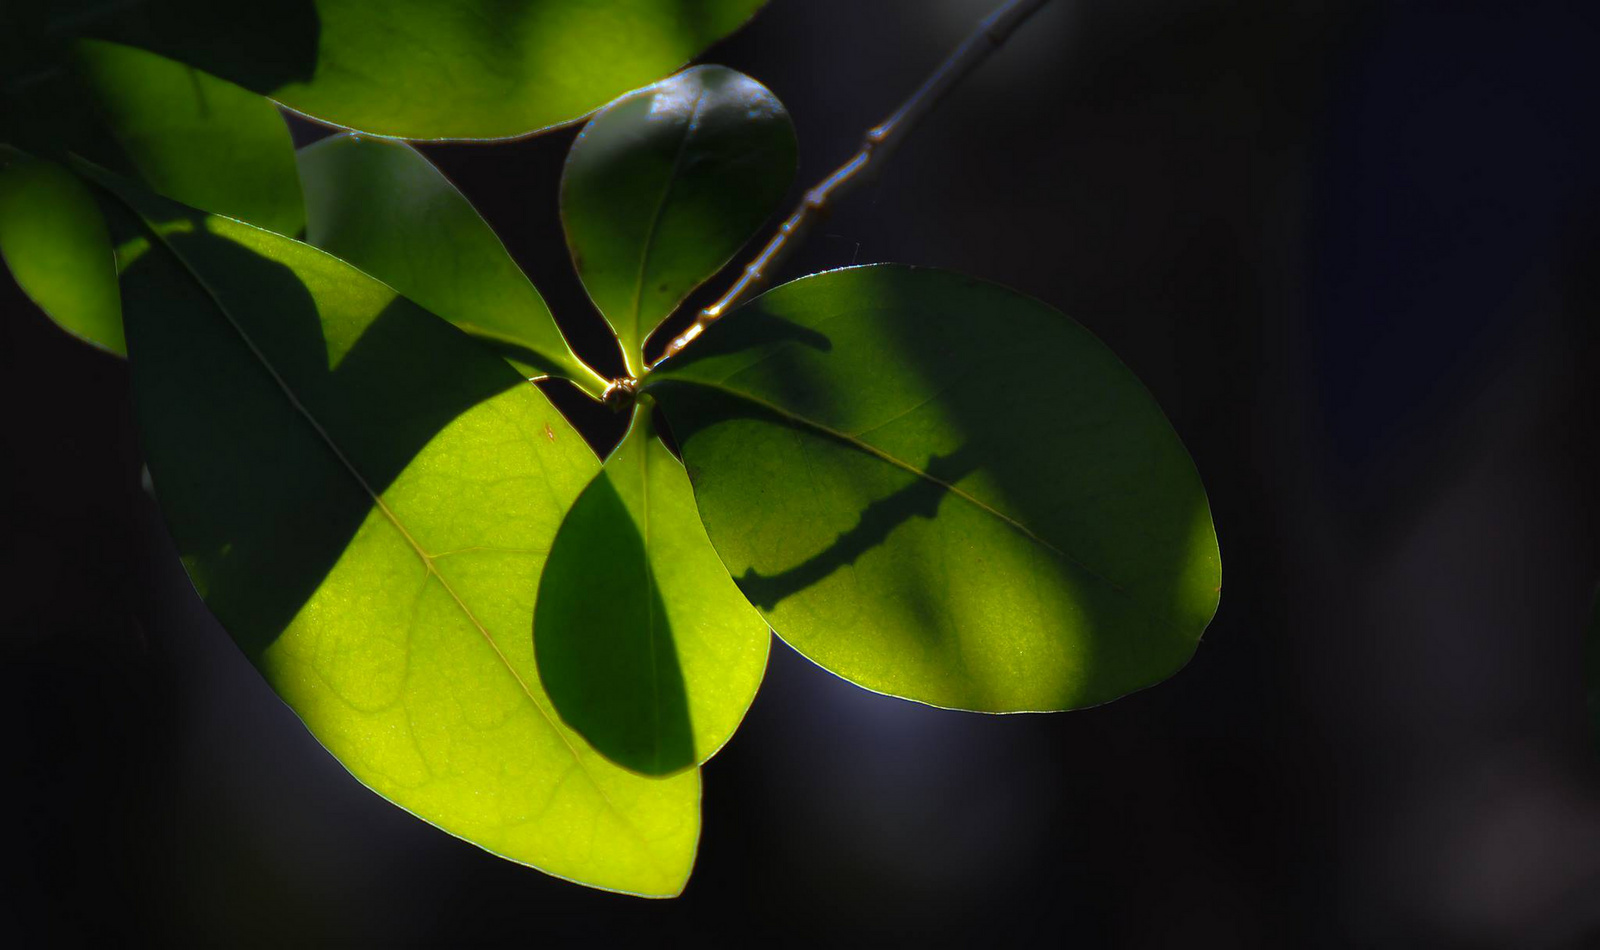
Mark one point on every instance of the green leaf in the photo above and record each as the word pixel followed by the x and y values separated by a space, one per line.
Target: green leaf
pixel 365 499
pixel 54 239
pixel 944 490
pixel 665 185
pixel 383 207
pixel 414 69
pixel 193 137
pixel 431 69
pixel 425 69
pixel 186 134
pixel 644 644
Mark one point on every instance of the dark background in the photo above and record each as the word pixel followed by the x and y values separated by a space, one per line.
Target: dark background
pixel 1352 250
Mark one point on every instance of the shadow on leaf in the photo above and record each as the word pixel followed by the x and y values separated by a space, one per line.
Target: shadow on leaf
pixel 268 436
pixel 605 651
pixel 920 508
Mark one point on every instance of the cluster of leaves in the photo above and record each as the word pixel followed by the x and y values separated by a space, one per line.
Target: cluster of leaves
pixel 930 485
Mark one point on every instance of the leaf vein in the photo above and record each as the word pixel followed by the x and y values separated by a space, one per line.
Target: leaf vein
pixel 654 229
pixel 427 559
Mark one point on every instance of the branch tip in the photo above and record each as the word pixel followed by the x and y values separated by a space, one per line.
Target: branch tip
pixel 878 142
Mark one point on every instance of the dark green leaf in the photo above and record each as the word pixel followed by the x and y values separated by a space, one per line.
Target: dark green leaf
pixel 195 138
pixel 365 499
pixel 54 239
pixel 665 185
pixel 383 207
pixel 944 490
pixel 42 108
pixel 644 644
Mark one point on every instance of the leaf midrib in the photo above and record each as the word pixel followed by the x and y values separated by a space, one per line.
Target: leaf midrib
pixel 426 558
pixel 654 229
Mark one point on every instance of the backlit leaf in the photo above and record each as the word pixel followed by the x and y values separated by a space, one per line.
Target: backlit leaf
pixel 644 644
pixel 944 490
pixel 365 498
pixel 425 69
pixel 494 68
pixel 383 207
pixel 195 138
pixel 54 240
pixel 665 185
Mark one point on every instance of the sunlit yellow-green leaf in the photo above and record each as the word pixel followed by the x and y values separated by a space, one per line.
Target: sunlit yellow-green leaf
pixel 54 240
pixel 945 490
pixel 365 498
pixel 644 643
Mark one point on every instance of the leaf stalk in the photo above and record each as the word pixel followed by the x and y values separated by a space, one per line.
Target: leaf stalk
pixel 879 142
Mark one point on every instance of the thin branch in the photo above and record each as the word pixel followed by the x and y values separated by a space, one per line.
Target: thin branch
pixel 879 142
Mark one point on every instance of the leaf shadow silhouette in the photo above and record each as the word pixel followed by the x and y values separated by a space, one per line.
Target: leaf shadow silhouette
pixel 261 47
pixel 1080 455
pixel 265 438
pixel 753 328
pixel 528 361
pixel 605 655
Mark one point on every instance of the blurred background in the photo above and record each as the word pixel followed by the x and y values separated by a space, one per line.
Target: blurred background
pixel 1351 247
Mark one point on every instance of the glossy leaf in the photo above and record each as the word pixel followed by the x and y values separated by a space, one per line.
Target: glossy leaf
pixel 665 185
pixel 365 498
pixel 54 240
pixel 195 138
pixel 644 644
pixel 383 207
pixel 944 490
